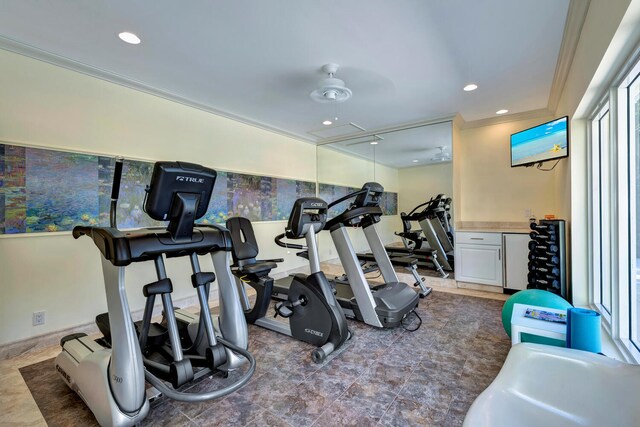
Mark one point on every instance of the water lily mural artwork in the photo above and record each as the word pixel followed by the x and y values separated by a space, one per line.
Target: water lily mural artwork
pixel 45 190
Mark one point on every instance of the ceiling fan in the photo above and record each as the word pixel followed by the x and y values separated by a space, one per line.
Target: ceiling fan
pixel 331 89
pixel 442 155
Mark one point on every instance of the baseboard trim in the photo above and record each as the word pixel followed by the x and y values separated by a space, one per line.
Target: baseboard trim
pixel 31 344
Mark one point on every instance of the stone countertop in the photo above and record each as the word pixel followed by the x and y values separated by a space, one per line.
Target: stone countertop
pixel 494 230
pixel 493 227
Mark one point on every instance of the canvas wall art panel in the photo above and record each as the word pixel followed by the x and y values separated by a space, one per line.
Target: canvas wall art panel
pixel 45 190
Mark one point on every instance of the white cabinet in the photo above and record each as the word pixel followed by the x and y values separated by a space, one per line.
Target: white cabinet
pixel 516 251
pixel 478 258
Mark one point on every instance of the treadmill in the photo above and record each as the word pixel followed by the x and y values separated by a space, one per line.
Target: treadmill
pixel 385 305
pixel 436 231
pixel 407 262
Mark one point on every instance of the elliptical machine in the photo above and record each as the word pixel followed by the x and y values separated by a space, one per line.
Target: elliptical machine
pixel 111 378
pixel 313 312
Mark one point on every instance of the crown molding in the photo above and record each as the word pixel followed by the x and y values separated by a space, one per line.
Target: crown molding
pixel 576 15
pixel 380 131
pixel 525 115
pixel 458 121
pixel 33 52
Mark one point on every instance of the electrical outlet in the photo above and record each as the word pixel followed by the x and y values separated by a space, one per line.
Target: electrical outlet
pixel 528 213
pixel 38 318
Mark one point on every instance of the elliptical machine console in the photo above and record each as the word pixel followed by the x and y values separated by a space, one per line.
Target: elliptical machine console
pixel 110 378
pixel 313 312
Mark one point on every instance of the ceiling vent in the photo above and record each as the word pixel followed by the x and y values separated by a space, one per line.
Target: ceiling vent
pixel 331 89
pixel 337 131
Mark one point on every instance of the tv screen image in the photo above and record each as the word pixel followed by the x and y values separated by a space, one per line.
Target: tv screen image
pixel 548 141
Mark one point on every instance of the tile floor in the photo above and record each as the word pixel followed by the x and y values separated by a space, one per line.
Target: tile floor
pixel 383 377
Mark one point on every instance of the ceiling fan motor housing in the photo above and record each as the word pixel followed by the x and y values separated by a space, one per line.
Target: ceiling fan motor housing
pixel 331 89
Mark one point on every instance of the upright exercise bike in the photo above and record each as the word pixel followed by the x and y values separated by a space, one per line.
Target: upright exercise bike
pixel 313 312
pixel 111 378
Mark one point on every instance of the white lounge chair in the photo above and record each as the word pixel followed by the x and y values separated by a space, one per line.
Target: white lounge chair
pixel 548 386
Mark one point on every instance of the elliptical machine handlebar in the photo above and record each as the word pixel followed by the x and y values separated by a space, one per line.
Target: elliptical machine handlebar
pixel 115 192
pixel 81 230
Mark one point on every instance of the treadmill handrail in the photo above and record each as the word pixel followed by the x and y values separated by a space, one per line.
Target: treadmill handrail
pixel 352 213
pixel 419 206
pixel 429 202
pixel 418 216
pixel 348 196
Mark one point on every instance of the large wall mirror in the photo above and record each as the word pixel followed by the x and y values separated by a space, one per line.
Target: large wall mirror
pixel 413 165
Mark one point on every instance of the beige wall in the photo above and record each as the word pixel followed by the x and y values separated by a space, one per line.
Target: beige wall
pixel 457 164
pixel 489 188
pixel 335 167
pixel 420 183
pixel 48 106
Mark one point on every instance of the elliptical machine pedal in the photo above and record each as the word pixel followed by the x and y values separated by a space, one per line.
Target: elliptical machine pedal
pixel 111 378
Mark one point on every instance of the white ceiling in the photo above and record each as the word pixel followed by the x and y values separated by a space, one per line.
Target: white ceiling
pixel 405 60
pixel 399 149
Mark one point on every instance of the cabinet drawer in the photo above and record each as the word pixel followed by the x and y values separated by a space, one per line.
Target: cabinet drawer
pixel 477 238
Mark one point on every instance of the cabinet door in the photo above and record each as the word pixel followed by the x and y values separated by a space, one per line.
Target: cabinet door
pixel 516 261
pixel 479 264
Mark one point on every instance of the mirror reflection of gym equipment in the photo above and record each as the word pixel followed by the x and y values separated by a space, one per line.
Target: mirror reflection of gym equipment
pixel 420 246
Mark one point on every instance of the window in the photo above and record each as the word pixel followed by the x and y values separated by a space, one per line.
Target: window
pixel 615 210
pixel 602 215
pixel 632 88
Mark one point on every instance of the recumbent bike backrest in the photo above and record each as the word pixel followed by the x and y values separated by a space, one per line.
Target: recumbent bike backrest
pixel 245 245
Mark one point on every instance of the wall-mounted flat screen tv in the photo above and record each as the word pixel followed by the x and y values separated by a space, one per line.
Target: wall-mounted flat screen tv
pixel 548 141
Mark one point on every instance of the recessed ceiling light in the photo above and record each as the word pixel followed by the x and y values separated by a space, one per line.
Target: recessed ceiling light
pixel 374 143
pixel 327 122
pixel 470 87
pixel 502 111
pixel 414 161
pixel 128 37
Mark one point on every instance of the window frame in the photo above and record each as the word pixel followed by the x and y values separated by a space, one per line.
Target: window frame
pixel 628 224
pixel 600 264
pixel 618 323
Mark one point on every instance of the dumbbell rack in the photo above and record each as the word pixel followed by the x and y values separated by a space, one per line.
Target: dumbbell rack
pixel 547 257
